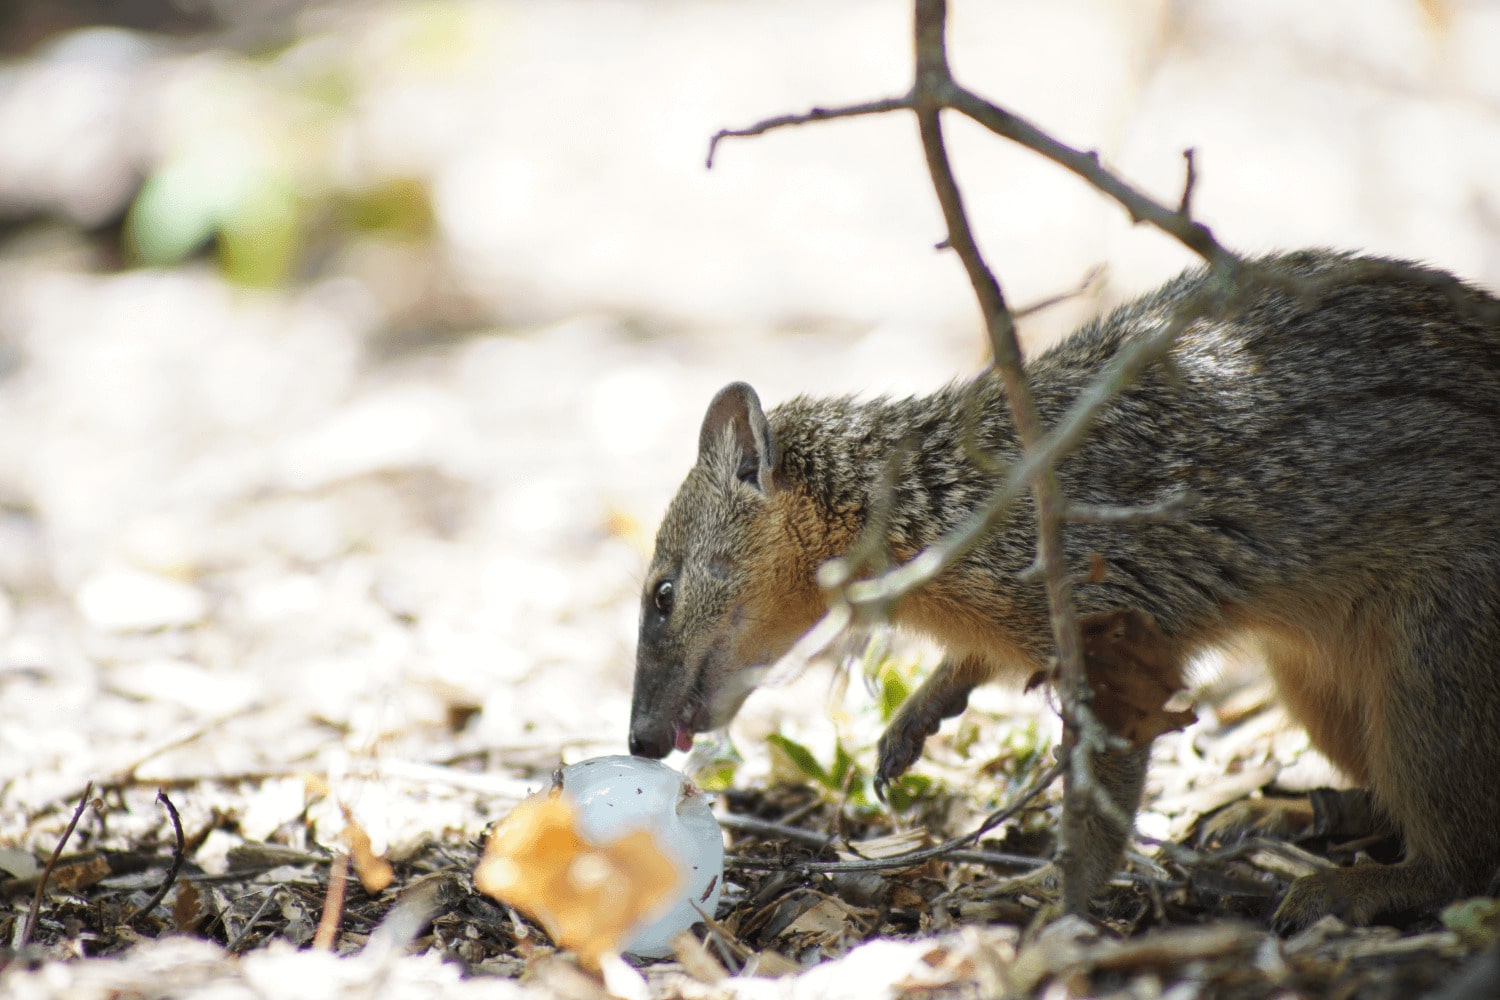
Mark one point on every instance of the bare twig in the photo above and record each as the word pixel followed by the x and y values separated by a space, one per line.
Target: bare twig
pixel 815 640
pixel 1064 437
pixel 1194 235
pixel 41 886
pixel 1096 739
pixel 998 858
pixel 177 853
pixel 812 838
pixel 770 828
pixel 333 903
pixel 933 91
pixel 233 947
pixel 1170 509
pixel 943 92
pixel 413 910
pixel 127 775
pixel 948 848
pixel 934 86
pixel 870 550
pixel 1190 181
pixel 1083 287
pixel 815 115
pixel 850 599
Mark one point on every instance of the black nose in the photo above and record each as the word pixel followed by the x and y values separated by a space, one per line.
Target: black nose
pixel 644 743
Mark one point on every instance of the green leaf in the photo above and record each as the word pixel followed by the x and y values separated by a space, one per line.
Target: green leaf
pixel 965 737
pixel 177 210
pixel 228 193
pixel 843 765
pixel 893 691
pixel 1027 747
pixel 1476 920
pixel 796 759
pixel 261 233
pixel 716 773
pixel 904 792
pixel 401 207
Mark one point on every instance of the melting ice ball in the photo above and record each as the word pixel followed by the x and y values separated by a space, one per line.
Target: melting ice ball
pixel 618 795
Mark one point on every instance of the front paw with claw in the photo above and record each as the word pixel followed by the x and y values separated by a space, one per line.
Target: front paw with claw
pixel 901 744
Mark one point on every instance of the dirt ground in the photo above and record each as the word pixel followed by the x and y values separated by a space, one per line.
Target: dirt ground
pixel 338 513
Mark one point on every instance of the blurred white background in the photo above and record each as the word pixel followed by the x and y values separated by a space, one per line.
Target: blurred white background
pixel 441 289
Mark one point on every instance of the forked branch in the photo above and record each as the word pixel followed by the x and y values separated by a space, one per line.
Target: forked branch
pixel 851 598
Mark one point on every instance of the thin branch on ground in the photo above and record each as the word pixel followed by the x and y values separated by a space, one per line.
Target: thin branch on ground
pixel 812 838
pixel 41 887
pixel 233 947
pixel 177 855
pixel 998 858
pixel 947 849
pixel 127 775
pixel 770 828
pixel 333 904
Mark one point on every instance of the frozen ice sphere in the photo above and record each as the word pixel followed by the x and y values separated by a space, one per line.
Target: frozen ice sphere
pixel 615 796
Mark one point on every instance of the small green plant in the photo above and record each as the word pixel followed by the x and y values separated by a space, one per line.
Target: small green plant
pixel 841 779
pixel 713 764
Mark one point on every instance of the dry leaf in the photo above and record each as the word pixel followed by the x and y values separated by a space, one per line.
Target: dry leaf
pixel 1098 568
pixel 697 961
pixel 374 871
pixel 187 907
pixel 79 872
pixel 885 846
pixel 769 964
pixel 622 524
pixel 829 924
pixel 587 897
pixel 1174 947
pixel 905 897
pixel 1134 671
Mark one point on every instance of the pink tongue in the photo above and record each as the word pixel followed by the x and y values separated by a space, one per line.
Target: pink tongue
pixel 681 737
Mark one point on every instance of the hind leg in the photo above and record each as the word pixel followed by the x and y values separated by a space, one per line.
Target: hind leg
pixel 1431 744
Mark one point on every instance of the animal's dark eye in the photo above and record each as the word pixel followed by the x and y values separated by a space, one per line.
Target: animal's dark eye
pixel 662 597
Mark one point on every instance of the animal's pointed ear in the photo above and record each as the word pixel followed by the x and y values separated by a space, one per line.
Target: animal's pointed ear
pixel 737 409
